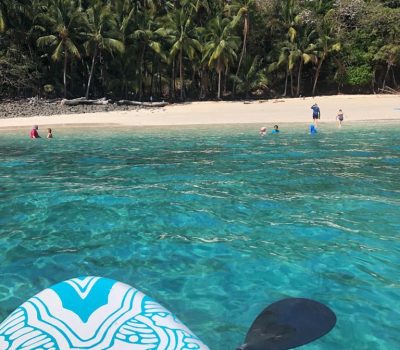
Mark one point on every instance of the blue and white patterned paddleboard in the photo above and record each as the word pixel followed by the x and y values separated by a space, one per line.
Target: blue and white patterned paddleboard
pixel 94 313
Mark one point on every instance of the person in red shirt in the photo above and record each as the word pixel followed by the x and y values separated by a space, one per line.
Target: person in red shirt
pixel 34 132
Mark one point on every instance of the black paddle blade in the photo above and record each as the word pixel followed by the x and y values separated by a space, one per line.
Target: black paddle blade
pixel 289 323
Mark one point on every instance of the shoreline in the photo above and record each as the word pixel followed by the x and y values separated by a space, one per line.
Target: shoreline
pixel 364 108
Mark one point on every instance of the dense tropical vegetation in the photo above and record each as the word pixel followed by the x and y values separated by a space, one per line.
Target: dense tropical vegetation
pixel 197 49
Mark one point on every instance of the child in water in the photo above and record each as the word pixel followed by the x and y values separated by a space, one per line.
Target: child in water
pixel 49 134
pixel 340 117
pixel 275 129
pixel 263 131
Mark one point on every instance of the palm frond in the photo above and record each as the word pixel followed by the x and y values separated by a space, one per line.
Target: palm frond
pixel 57 54
pixel 48 40
pixel 71 48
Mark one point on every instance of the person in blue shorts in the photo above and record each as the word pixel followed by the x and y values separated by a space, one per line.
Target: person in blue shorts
pixel 275 130
pixel 316 113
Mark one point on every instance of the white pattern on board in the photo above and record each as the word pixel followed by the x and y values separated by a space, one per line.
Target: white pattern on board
pixel 94 313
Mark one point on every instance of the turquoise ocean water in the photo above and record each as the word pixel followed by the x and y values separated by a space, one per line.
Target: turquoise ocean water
pixel 213 223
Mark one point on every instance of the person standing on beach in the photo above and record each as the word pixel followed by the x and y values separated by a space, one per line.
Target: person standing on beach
pixel 316 113
pixel 340 117
pixel 34 132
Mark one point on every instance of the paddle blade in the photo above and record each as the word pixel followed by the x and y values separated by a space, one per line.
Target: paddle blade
pixel 289 323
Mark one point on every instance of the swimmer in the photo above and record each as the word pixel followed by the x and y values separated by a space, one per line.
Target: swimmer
pixel 275 129
pixel 34 132
pixel 340 118
pixel 49 134
pixel 316 113
pixel 263 131
pixel 313 129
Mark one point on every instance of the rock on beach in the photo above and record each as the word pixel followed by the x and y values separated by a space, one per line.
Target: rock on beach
pixel 36 107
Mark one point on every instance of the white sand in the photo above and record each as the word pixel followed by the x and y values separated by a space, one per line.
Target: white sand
pixel 267 112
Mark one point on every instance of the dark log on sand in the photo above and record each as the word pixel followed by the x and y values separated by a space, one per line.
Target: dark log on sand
pixel 142 104
pixel 84 101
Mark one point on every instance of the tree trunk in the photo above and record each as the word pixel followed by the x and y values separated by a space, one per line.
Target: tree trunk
pixel 373 80
pixel 174 79
pixel 141 73
pixel 299 77
pixel 219 84
pixel 203 83
pixel 143 104
pixel 101 72
pixel 317 74
pixel 243 53
pixel 152 77
pixel 126 89
pixel 71 70
pixel 291 84
pixel 84 101
pixel 225 77
pixel 181 74
pixel 159 80
pixel 394 79
pixel 91 73
pixel 386 75
pixel 65 72
pixel 193 83
pixel 286 83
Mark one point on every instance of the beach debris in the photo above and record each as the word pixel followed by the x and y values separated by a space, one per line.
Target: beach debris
pixel 84 101
pixel 389 90
pixel 142 104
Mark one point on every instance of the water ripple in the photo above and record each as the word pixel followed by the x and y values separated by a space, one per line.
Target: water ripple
pixel 213 223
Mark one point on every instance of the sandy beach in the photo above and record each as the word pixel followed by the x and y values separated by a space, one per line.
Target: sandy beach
pixel 355 108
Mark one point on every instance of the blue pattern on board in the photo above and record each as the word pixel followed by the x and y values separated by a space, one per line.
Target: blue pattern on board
pixel 94 313
pixel 97 297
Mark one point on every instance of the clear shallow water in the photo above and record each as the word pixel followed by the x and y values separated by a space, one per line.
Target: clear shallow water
pixel 214 224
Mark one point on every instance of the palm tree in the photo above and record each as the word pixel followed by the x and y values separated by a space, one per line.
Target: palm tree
pixel 146 36
pixel 64 20
pixel 124 79
pixel 301 36
pixel 220 47
pixel 390 54
pixel 242 7
pixel 282 25
pixel 253 76
pixel 289 54
pixel 282 60
pixel 101 34
pixel 325 44
pixel 179 29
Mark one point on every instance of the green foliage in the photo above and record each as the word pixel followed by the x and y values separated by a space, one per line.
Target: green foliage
pixel 17 73
pixel 197 48
pixel 253 78
pixel 359 76
pixel 48 88
pixel 390 54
